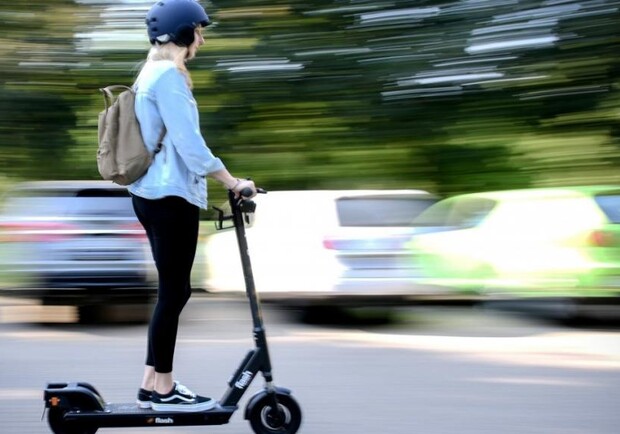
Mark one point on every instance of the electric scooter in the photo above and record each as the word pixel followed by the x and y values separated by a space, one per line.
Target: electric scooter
pixel 78 408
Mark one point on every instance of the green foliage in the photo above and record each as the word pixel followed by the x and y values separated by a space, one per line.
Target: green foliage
pixel 339 94
pixel 33 131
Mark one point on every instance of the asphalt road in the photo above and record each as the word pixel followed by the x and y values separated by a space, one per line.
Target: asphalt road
pixel 435 371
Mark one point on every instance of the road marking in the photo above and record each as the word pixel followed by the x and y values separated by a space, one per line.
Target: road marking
pixel 561 349
pixel 8 394
pixel 55 336
pixel 37 313
pixel 540 381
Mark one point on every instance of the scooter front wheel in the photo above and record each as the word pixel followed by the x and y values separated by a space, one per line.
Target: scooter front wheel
pixel 55 418
pixel 265 419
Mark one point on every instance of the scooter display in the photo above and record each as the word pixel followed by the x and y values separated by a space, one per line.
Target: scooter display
pixel 78 407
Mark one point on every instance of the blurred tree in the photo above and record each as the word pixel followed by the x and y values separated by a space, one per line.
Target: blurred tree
pixel 451 97
pixel 369 94
pixel 34 133
pixel 37 90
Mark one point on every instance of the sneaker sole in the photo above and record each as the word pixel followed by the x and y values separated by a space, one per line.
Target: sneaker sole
pixel 202 406
pixel 144 404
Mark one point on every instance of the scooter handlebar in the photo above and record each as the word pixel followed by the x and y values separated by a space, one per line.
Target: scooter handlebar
pixel 247 192
pixel 243 201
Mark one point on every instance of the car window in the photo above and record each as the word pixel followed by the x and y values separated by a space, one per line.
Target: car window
pixel 381 210
pixel 610 204
pixel 470 212
pixel 436 215
pixel 69 203
pixel 456 212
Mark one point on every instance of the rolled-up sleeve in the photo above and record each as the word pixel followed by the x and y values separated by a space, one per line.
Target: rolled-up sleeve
pixel 179 113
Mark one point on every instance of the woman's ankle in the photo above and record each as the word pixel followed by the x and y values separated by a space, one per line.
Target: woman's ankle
pixel 163 383
pixel 148 379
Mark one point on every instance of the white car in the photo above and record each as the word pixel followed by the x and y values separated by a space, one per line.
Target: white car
pixel 325 245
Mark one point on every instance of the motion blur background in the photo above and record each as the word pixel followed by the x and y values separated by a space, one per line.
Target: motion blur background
pixel 449 98
pixel 445 97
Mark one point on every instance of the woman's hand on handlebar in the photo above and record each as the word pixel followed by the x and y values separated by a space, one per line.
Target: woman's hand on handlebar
pixel 244 184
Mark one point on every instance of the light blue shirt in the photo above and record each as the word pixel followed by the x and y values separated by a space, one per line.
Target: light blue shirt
pixel 181 166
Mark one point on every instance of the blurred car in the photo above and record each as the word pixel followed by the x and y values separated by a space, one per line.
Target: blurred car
pixel 329 246
pixel 552 242
pixel 75 243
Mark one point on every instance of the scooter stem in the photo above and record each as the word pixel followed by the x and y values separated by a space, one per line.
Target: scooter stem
pixel 237 204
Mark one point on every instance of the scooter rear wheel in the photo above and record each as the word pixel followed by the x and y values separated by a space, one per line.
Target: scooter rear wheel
pixel 264 419
pixel 58 424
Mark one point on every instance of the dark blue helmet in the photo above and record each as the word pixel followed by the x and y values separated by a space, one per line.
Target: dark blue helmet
pixel 175 21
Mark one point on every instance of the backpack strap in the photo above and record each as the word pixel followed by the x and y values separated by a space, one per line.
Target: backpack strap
pixel 108 98
pixel 108 93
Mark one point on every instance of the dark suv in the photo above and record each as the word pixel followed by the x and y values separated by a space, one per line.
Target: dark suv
pixel 75 243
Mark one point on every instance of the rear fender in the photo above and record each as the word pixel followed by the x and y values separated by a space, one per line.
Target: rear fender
pixel 68 396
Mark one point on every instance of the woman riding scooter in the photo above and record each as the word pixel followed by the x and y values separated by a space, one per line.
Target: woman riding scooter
pixel 168 197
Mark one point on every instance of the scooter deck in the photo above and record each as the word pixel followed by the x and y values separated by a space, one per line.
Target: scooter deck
pixel 117 415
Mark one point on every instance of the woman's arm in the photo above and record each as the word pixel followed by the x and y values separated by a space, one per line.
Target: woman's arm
pixel 178 110
pixel 231 183
pixel 179 113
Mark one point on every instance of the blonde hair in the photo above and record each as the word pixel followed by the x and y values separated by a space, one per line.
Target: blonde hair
pixel 173 52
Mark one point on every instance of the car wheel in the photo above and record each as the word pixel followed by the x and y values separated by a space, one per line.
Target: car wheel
pixel 133 313
pixel 347 315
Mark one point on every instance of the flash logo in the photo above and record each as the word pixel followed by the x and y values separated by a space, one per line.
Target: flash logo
pixel 244 380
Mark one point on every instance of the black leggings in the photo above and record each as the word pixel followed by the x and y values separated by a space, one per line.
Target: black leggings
pixel 171 225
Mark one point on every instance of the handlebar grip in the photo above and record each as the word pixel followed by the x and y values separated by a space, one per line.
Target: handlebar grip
pixel 246 192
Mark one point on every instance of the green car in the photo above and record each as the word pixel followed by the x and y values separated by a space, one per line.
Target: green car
pixel 550 242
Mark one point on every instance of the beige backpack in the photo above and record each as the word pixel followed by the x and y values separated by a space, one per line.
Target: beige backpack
pixel 122 156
